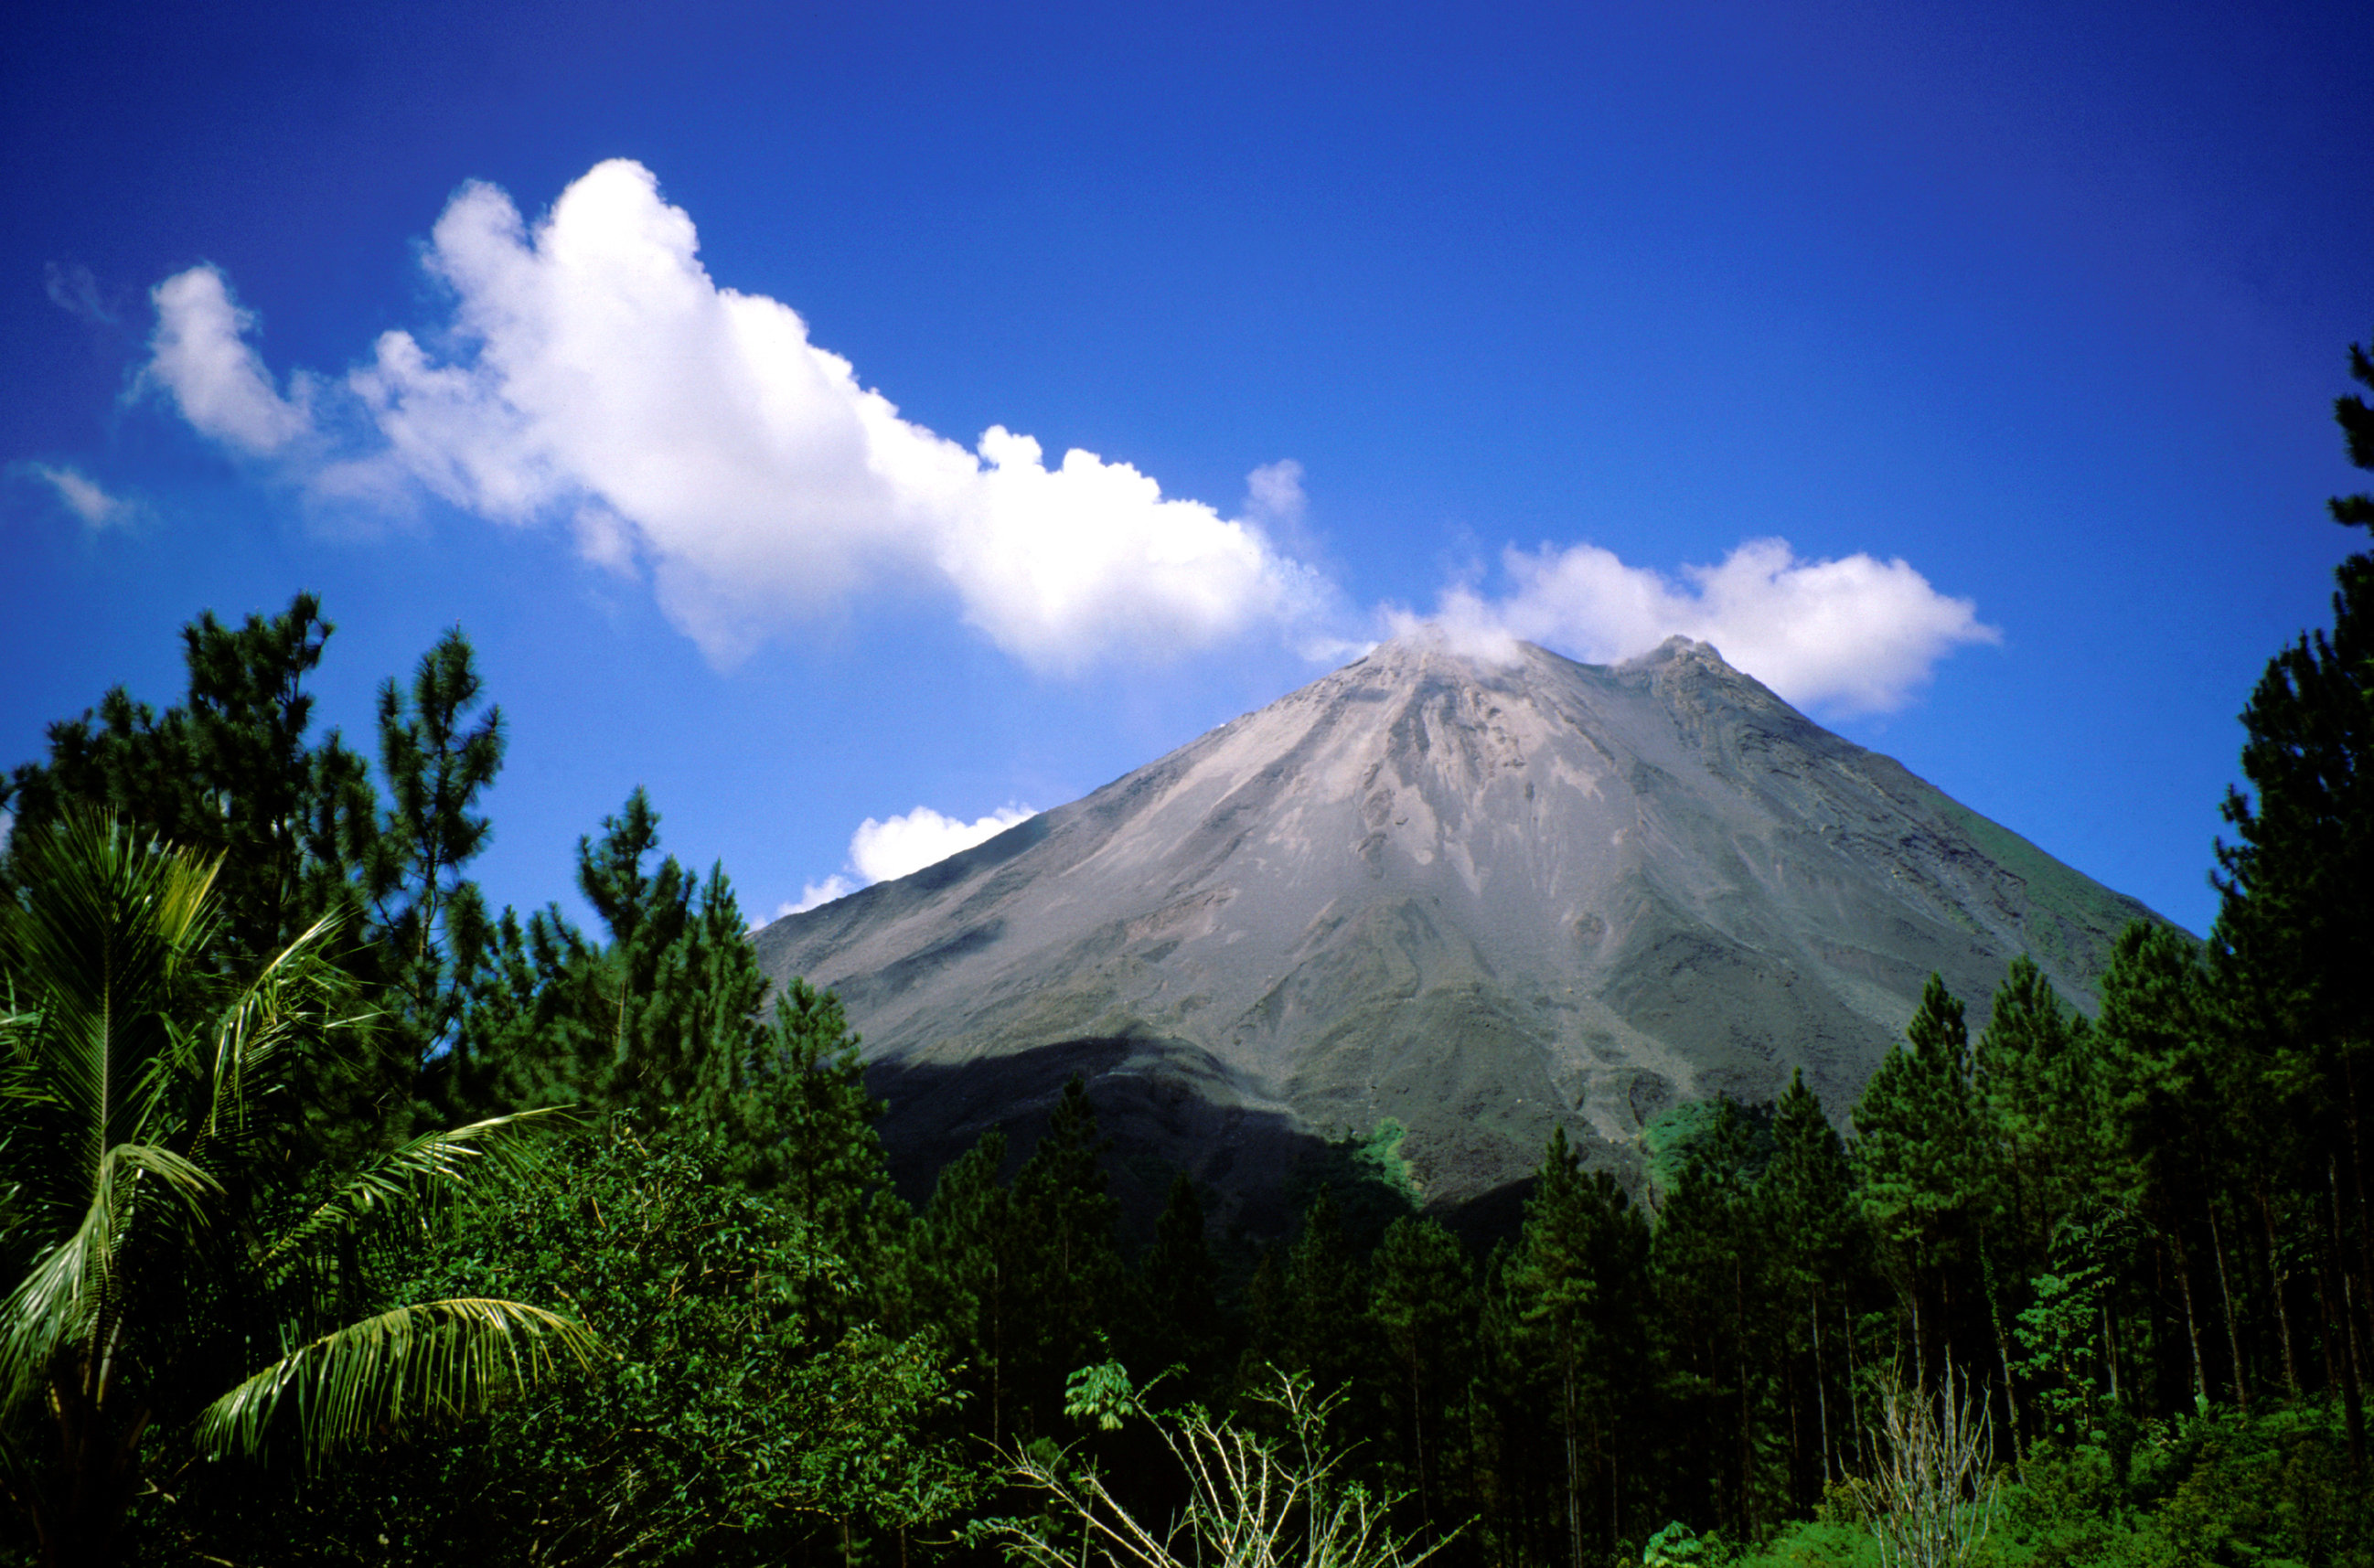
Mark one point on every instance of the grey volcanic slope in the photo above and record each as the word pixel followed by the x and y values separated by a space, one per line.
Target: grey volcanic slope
pixel 1476 899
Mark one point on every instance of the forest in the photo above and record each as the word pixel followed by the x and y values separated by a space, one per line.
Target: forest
pixel 347 1219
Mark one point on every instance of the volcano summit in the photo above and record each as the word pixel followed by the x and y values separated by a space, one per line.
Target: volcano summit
pixel 1476 898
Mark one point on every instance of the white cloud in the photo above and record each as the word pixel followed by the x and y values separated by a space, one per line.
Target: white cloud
pixel 200 355
pixel 882 851
pixel 1848 636
pixel 817 893
pixel 592 371
pixel 84 496
pixel 1274 494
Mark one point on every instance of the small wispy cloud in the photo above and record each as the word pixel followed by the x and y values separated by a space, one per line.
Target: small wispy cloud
pixel 887 848
pixel 200 357
pixel 818 892
pixel 1847 636
pixel 74 290
pixel 1274 494
pixel 82 496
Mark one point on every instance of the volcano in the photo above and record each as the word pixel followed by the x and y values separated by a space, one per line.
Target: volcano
pixel 1430 906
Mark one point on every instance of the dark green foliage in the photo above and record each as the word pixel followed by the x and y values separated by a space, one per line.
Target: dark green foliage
pixel 295 824
pixel 179 1287
pixel 2227 1488
pixel 1422 1302
pixel 1711 1255
pixel 437 760
pixel 1922 1171
pixel 960 1274
pixel 1064 1260
pixel 2032 1062
pixel 1182 1321
pixel 1578 1282
pixel 2163 1145
pixel 1322 1295
pixel 734 1424
pixel 2356 422
pixel 1817 1273
pixel 2063 1335
pixel 662 1014
pixel 1671 1141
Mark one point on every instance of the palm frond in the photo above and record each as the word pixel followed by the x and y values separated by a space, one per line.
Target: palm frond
pixel 297 1001
pixel 106 941
pixel 436 1362
pixel 412 1177
pixel 68 1287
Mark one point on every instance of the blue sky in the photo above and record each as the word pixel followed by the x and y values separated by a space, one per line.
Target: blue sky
pixel 2020 324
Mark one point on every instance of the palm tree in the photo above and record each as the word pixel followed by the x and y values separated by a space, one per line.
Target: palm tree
pixel 174 1273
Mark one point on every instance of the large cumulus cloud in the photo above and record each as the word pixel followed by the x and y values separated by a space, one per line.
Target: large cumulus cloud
pixel 593 371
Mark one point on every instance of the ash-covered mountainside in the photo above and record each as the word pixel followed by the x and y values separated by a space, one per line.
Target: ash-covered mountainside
pixel 1473 898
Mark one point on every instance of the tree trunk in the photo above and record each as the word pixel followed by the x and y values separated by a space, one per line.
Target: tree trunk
pixel 2355 1361
pixel 996 1352
pixel 2357 1173
pixel 2225 1293
pixel 1855 1401
pixel 2002 1345
pixel 2111 1350
pixel 80 1529
pixel 1821 1393
pixel 1797 1466
pixel 1573 1477
pixel 1920 1359
pixel 2191 1318
pixel 2275 1286
pixel 1614 1495
pixel 1418 1432
pixel 1739 1323
pixel 2353 1405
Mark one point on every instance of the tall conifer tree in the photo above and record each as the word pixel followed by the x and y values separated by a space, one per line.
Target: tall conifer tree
pixel 1919 1169
pixel 1578 1279
pixel 1422 1300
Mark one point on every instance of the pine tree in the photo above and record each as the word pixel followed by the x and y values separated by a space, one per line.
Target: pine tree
pixel 1578 1279
pixel 438 762
pixel 2296 920
pixel 1818 1256
pixel 1183 1326
pixel 1326 1300
pixel 1068 1266
pixel 664 1015
pixel 2040 1102
pixel 1712 1257
pixel 1267 1318
pixel 1422 1301
pixel 2164 1147
pixel 1920 1179
pixel 961 1277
